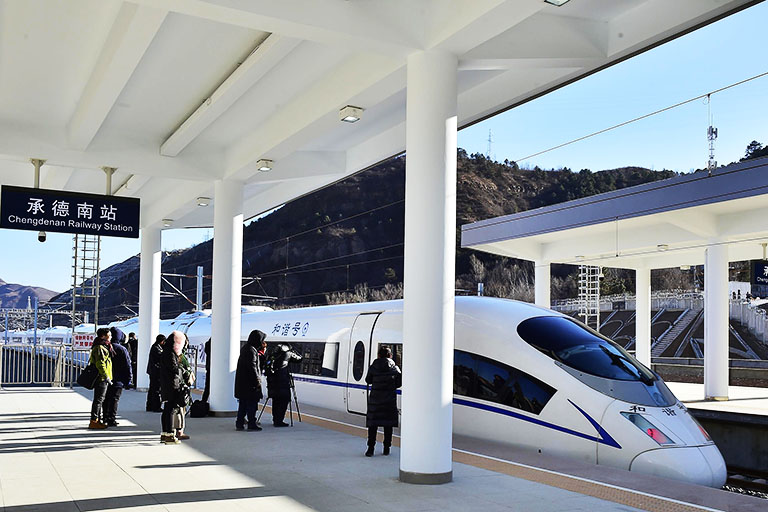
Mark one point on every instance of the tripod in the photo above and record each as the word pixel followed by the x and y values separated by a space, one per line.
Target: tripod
pixel 290 404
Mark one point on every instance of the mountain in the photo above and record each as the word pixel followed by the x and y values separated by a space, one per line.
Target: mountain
pixel 347 238
pixel 16 295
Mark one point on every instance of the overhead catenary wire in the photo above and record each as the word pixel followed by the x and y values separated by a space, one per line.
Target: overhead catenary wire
pixel 645 116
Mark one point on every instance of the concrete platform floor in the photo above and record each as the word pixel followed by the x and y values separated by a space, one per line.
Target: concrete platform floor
pixel 741 399
pixel 49 461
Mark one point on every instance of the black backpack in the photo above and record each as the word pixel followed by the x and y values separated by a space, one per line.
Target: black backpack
pixel 199 409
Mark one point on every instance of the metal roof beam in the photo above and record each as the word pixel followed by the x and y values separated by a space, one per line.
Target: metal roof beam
pixel 131 34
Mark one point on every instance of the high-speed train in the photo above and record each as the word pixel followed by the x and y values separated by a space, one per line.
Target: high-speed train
pixel 523 375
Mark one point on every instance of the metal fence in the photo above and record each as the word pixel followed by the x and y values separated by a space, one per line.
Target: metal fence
pixel 754 318
pixel 57 364
pixel 28 364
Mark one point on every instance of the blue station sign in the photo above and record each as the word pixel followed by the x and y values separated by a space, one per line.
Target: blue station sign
pixel 760 272
pixel 37 209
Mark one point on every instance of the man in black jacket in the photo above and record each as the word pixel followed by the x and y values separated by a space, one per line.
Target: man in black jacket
pixel 279 381
pixel 248 381
pixel 122 377
pixel 133 349
pixel 384 377
pixel 154 402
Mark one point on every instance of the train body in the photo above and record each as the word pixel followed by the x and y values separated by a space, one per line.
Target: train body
pixel 523 375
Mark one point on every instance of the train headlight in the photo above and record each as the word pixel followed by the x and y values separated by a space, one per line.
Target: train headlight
pixel 649 428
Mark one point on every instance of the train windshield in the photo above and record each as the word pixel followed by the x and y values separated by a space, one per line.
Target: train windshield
pixel 582 348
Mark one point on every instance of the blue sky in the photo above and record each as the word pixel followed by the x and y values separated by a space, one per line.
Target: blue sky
pixel 722 53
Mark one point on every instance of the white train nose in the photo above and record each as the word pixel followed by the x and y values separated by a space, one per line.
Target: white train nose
pixel 701 465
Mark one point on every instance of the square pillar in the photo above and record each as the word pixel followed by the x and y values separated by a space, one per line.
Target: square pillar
pixel 226 293
pixel 429 278
pixel 716 321
pixel 643 315
pixel 542 282
pixel 149 299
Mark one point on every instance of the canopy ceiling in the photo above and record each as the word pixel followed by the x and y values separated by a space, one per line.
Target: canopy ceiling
pixel 179 93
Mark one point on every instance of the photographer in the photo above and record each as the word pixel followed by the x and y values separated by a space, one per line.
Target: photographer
pixel 279 381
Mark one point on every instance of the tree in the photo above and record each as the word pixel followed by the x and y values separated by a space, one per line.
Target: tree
pixel 754 150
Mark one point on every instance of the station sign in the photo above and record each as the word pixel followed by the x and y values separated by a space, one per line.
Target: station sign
pixel 760 272
pixel 37 209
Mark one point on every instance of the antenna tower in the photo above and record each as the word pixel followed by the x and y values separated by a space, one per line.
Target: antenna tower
pixel 711 137
pixel 490 144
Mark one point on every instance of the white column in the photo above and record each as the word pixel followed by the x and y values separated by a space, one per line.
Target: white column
pixel 643 315
pixel 430 241
pixel 149 298
pixel 542 282
pixel 226 294
pixel 716 322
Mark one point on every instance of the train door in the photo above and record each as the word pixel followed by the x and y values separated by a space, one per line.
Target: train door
pixel 359 360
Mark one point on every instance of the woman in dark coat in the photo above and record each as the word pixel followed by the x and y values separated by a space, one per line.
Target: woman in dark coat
pixel 248 381
pixel 384 377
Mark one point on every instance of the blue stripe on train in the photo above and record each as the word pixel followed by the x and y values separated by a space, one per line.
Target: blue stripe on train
pixel 603 437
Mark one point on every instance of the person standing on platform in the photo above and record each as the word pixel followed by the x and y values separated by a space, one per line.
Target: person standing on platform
pixel 154 366
pixel 384 377
pixel 248 382
pixel 171 385
pixel 122 377
pixel 187 379
pixel 279 381
pixel 101 358
pixel 133 349
pixel 207 388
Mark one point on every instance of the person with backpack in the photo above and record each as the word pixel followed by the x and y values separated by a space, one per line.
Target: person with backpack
pixel 248 382
pixel 172 385
pixel 122 376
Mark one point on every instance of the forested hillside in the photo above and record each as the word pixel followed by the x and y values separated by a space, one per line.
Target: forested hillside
pixel 349 236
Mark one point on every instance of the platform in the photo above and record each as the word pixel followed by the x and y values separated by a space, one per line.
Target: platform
pixel 49 461
pixel 741 399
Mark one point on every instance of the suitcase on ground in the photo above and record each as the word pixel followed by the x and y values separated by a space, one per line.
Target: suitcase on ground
pixel 199 409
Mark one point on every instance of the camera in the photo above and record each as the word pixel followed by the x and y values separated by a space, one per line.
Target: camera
pixel 41 236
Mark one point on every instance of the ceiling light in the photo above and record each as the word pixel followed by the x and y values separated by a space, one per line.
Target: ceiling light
pixel 662 247
pixel 167 223
pixel 556 2
pixel 685 267
pixel 579 258
pixel 350 114
pixel 264 165
pixel 203 201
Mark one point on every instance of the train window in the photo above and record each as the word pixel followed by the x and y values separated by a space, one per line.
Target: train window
pixel 491 377
pixel 576 345
pixel 480 377
pixel 330 364
pixel 397 352
pixel 318 358
pixel 358 360
pixel 464 374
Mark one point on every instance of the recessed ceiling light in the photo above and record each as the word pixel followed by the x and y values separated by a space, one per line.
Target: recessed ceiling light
pixel 167 223
pixel 579 257
pixel 556 2
pixel 662 247
pixel 203 201
pixel 264 165
pixel 350 114
pixel 685 267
